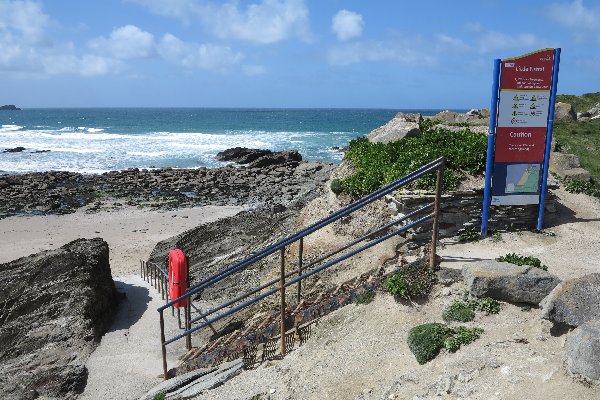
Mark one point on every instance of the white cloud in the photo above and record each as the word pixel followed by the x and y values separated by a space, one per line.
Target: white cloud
pixel 347 25
pixel 491 42
pixel 125 42
pixel 87 65
pixel 583 21
pixel 193 55
pixel 268 21
pixel 398 51
pixel 24 20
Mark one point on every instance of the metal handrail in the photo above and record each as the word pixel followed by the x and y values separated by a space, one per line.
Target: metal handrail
pixel 376 195
pixel 436 165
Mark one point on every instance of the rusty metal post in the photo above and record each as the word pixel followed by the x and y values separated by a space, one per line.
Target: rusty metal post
pixel 300 251
pixel 162 286
pixel 282 303
pixel 143 269
pixel 436 213
pixel 188 325
pixel 163 345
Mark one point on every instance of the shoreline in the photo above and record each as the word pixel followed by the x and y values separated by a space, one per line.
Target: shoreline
pixel 130 232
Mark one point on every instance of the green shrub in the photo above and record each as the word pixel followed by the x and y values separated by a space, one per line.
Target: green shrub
pixel 159 396
pixel 365 297
pixel 336 186
pixel 377 164
pixel 469 235
pixel 413 281
pixel 425 341
pixel 458 311
pixel 585 187
pixel 488 305
pixel 522 260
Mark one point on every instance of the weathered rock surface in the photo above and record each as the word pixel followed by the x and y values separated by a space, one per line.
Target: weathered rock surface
pixel 472 117
pixel 567 167
pixel 54 307
pixel 241 155
pixel 17 149
pixel 574 302
pixel 401 126
pixel 564 112
pixel 508 282
pixel 582 352
pixel 63 192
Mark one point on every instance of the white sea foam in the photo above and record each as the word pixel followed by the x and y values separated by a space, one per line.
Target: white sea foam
pixel 94 130
pixel 146 153
pixel 9 128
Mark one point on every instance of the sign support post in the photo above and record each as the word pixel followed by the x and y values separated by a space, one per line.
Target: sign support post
pixel 489 164
pixel 540 221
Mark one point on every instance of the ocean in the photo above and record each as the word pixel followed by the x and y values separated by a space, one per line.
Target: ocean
pixel 96 140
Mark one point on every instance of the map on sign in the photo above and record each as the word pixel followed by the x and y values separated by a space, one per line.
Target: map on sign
pixel 522 178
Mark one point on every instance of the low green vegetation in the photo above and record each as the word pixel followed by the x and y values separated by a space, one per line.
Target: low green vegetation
pixel 577 186
pixel 469 235
pixel 336 186
pixel 464 311
pixel 159 396
pixel 412 282
pixel 365 297
pixel 425 341
pixel 458 311
pixel 583 140
pixel 377 164
pixel 517 259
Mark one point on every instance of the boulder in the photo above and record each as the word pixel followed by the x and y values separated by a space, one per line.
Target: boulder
pixel 574 302
pixel 508 282
pixel 280 157
pixel 582 352
pixel 17 149
pixel 401 126
pixel 241 155
pixel 567 166
pixel 56 306
pixel 594 111
pixel 564 112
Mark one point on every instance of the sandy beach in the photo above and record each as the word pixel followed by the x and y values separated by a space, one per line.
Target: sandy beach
pixel 130 232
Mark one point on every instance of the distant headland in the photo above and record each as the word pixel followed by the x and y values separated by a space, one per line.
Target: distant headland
pixel 9 107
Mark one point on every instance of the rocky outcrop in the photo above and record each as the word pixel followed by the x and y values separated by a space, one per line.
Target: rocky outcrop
pixel 574 302
pixel 17 149
pixel 54 307
pixel 472 117
pixel 401 126
pixel 508 282
pixel 9 107
pixel 63 192
pixel 582 352
pixel 567 167
pixel 564 112
pixel 241 155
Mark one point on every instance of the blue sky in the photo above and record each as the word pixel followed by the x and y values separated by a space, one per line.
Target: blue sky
pixel 283 53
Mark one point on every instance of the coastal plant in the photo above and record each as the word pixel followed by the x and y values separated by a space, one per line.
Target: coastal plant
pixel 581 138
pixel 469 235
pixel 488 305
pixel 377 164
pixel 336 186
pixel 458 311
pixel 517 259
pixel 425 341
pixel 411 282
pixel 159 396
pixel 585 187
pixel 365 297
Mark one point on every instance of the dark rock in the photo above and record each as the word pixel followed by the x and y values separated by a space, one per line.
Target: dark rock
pixel 280 157
pixel 56 306
pixel 17 149
pixel 508 282
pixel 241 155
pixel 9 107
pixel 582 352
pixel 574 302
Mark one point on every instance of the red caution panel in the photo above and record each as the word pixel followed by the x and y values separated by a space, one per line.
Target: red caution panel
pixel 178 276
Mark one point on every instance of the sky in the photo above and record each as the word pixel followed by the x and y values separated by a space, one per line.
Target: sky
pixel 283 53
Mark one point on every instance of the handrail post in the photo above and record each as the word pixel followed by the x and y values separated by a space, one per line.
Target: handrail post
pixel 188 325
pixel 282 303
pixel 436 213
pixel 300 250
pixel 163 345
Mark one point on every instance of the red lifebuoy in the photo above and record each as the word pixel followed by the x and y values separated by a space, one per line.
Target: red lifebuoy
pixel 178 270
